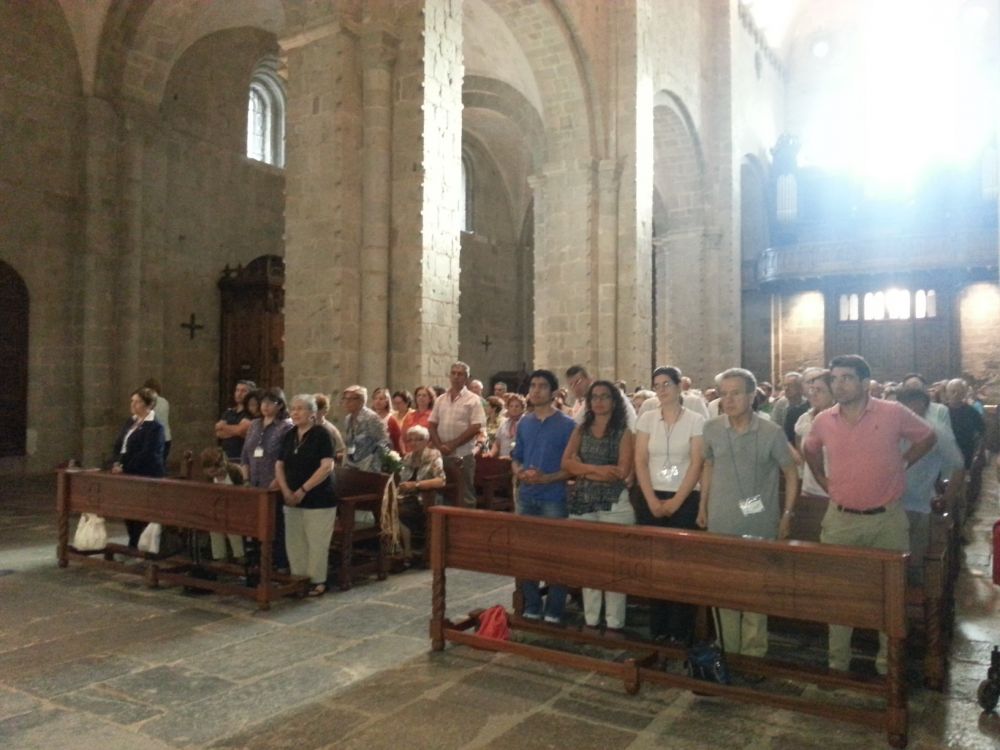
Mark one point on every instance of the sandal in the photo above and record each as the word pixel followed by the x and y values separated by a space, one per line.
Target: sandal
pixel 318 590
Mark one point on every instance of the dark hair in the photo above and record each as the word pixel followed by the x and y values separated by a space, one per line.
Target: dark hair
pixel 854 362
pixel 405 395
pixel 912 396
pixel 674 373
pixel 153 384
pixel 253 395
pixel 916 375
pixel 277 397
pixel 549 376
pixel 573 370
pixel 618 414
pixel 147 396
pixel 438 390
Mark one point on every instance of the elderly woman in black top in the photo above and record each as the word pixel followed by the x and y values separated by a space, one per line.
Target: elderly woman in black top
pixel 139 448
pixel 303 471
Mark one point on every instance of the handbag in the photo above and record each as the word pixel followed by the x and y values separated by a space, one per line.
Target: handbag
pixel 91 533
pixel 493 623
pixel 707 661
pixel 149 541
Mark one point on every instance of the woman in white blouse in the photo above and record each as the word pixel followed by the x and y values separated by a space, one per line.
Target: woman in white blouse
pixel 668 462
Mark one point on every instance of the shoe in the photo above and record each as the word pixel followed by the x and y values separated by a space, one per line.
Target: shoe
pixel 531 616
pixel 550 620
pixel 318 590
pixel 614 634
pixel 751 678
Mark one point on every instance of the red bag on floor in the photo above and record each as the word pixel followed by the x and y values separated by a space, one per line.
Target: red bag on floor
pixel 493 623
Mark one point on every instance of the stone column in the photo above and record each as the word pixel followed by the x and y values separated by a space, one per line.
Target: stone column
pixel 426 192
pixel 97 273
pixel 378 55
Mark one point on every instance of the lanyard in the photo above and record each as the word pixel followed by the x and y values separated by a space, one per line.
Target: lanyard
pixel 736 468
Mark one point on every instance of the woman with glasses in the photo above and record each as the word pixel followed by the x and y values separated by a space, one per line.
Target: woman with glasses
pixel 599 456
pixel 422 471
pixel 668 462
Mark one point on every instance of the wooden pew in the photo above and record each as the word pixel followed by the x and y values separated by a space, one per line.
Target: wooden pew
pixel 823 583
pixel 933 601
pixel 494 483
pixel 358 491
pixel 190 505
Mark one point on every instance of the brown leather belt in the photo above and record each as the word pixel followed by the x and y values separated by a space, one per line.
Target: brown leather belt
pixel 855 511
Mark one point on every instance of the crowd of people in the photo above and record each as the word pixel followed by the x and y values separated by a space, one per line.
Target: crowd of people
pixel 669 455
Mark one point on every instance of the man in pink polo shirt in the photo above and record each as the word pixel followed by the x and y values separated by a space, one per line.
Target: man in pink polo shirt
pixel 864 474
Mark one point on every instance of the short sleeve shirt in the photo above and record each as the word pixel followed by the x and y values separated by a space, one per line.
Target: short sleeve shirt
pixel 540 445
pixel 745 466
pixel 453 417
pixel 864 463
pixel 302 458
pixel 669 447
pixel 233 446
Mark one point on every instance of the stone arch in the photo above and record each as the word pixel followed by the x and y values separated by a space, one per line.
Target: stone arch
pixel 14 302
pixel 756 319
pixel 142 41
pixel 679 221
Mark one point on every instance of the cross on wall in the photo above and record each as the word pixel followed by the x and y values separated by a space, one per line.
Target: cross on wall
pixel 192 326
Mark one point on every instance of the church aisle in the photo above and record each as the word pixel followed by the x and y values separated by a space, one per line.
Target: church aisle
pixel 94 660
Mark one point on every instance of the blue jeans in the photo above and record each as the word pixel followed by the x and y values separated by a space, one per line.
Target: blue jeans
pixel 555 602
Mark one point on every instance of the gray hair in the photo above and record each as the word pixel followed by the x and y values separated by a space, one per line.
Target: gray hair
pixel 419 429
pixel 360 390
pixel 463 366
pixel 308 399
pixel 793 375
pixel 738 372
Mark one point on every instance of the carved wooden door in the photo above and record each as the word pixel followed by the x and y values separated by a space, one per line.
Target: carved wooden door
pixel 13 362
pixel 252 345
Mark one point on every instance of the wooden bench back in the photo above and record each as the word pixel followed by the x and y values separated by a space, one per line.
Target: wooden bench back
pixel 799 580
pixel 204 506
pixel 350 481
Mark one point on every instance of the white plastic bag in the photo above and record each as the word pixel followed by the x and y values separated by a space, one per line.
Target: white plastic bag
pixel 91 533
pixel 149 541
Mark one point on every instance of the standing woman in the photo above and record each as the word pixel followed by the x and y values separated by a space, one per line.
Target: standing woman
pixel 507 432
pixel 382 406
pixel 139 449
pixel 303 471
pixel 423 398
pixel 260 454
pixel 668 461
pixel 402 407
pixel 599 455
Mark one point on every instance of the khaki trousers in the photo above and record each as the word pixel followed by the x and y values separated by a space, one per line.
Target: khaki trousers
pixel 307 538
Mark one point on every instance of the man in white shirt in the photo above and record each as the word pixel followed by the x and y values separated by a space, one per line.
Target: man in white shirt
pixel 456 419
pixel 579 384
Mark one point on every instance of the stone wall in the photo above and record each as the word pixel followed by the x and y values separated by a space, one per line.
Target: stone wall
pixel 42 117
pixel 800 340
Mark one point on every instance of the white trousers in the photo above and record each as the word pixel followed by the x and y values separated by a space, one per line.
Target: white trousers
pixel 614 603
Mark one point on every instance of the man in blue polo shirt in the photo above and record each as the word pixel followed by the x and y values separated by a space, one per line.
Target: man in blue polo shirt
pixel 542 436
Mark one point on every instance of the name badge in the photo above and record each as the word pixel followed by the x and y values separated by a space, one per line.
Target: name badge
pixel 751 505
pixel 259 452
pixel 350 449
pixel 669 472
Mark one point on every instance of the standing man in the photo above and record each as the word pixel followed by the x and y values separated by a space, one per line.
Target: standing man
pixel 793 394
pixel 864 474
pixel 162 411
pixel 456 419
pixel 739 489
pixel 542 436
pixel 232 427
pixel 500 390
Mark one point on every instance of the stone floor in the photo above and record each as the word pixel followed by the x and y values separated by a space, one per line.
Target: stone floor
pixel 90 659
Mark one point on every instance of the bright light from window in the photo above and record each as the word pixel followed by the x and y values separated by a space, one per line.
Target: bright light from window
pixel 920 90
pixel 821 49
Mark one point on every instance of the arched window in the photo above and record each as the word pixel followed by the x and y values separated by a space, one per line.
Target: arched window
pixel 266 115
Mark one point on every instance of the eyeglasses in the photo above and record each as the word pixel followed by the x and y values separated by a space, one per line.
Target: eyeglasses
pixel 663 385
